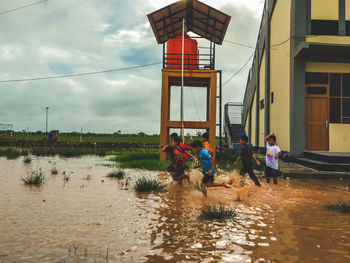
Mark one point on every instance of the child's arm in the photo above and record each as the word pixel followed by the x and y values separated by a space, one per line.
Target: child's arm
pixel 237 161
pixel 256 160
pixel 212 165
pixel 165 148
pixel 190 154
pixel 268 136
pixel 278 155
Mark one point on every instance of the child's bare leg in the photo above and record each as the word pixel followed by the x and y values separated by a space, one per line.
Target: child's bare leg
pixel 218 185
pixel 204 189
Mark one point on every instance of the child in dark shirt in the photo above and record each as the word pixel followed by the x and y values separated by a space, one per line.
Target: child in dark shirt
pixel 246 158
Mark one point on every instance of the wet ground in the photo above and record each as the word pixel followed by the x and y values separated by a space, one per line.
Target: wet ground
pixel 90 218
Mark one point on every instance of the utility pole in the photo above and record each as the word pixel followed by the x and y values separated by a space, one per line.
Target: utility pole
pixel 47 118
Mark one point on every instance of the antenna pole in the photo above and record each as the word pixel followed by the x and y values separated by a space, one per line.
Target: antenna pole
pixel 182 81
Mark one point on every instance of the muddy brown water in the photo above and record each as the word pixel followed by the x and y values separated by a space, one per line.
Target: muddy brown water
pixel 90 220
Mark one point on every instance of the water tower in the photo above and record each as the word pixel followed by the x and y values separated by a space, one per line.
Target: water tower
pixel 187 65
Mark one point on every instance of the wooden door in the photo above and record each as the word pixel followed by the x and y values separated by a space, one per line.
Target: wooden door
pixel 317 117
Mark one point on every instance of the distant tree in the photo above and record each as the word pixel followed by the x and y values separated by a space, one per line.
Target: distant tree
pixel 141 134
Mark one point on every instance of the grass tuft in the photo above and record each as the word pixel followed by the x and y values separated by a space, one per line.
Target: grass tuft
pixel 27 159
pixel 65 178
pixel 35 178
pixel 218 212
pixel 54 171
pixel 117 174
pixel 148 185
pixel 341 206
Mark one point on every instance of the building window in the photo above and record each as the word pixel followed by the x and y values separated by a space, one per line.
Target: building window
pixel 317 78
pixel 340 98
pixel 262 104
pixel 316 90
pixel 339 94
pixel 324 27
pixel 347 28
pixel 272 97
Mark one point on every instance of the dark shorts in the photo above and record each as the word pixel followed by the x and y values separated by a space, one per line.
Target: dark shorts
pixel 207 178
pixel 270 172
pixel 170 169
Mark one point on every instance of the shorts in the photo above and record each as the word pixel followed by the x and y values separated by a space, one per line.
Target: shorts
pixel 270 172
pixel 207 178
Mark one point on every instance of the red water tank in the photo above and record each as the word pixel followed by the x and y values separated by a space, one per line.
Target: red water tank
pixel 174 53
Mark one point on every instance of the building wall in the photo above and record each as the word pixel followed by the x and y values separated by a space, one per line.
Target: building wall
pixel 347 10
pixel 280 74
pixel 329 39
pixel 339 139
pixel 339 134
pixel 262 97
pixel 324 9
pixel 327 68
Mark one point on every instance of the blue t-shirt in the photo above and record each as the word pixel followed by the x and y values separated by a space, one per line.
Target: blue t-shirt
pixel 205 159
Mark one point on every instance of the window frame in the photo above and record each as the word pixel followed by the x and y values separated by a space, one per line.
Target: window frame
pixel 329 96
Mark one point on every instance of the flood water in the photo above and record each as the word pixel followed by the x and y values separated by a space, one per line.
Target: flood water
pixel 90 218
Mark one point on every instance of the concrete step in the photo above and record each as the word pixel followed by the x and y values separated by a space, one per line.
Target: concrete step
pixel 323 166
pixel 328 157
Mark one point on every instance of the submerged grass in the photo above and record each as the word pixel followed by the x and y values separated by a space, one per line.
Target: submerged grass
pixel 35 178
pixel 341 206
pixel 218 212
pixel 148 185
pixel 27 159
pixel 117 174
pixel 54 170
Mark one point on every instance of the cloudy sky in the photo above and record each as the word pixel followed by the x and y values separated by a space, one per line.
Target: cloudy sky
pixel 75 36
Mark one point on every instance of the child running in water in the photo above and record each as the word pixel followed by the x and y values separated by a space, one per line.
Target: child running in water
pixel 273 152
pixel 208 167
pixel 179 155
pixel 177 161
pixel 246 158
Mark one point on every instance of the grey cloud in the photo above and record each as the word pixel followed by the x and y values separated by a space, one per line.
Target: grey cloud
pixel 89 35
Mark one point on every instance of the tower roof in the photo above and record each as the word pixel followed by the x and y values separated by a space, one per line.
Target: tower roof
pixel 200 19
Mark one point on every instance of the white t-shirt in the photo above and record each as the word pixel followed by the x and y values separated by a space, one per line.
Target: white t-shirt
pixel 271 152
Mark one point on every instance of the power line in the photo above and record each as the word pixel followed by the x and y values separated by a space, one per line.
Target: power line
pixel 239 44
pixel 22 7
pixel 79 74
pixel 239 71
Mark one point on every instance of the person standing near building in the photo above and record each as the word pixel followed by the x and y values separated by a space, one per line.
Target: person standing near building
pixel 246 157
pixel 273 152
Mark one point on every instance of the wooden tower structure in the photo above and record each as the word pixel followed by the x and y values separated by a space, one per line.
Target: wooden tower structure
pixel 187 67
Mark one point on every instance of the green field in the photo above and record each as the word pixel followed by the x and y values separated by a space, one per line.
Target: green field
pixel 90 137
pixel 86 138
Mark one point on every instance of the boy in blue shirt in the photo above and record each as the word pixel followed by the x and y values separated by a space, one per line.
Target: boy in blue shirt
pixel 208 167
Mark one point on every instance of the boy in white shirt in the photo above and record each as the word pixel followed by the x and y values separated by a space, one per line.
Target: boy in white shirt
pixel 273 152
